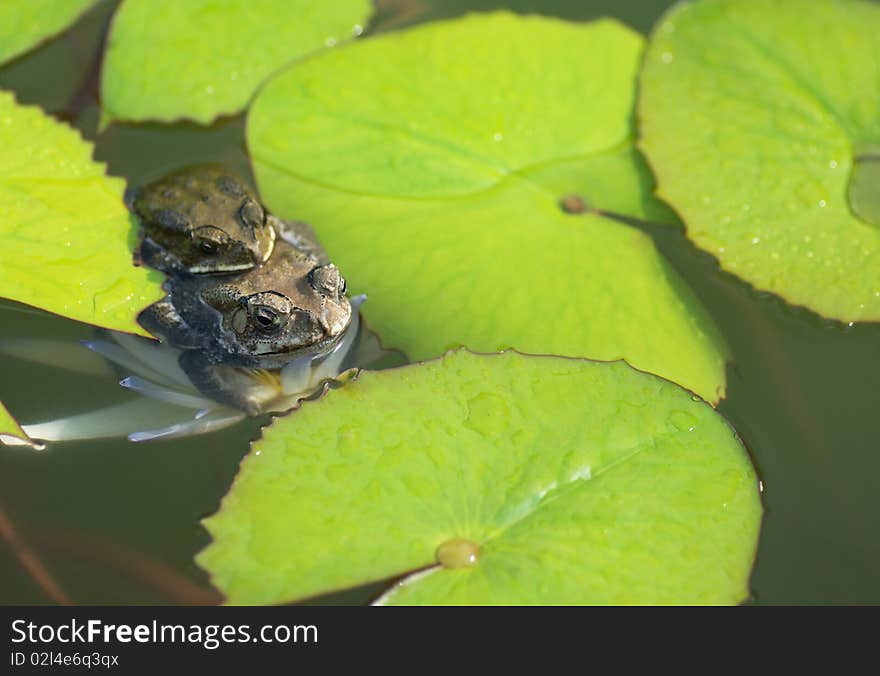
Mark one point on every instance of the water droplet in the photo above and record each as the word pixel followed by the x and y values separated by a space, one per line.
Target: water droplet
pixel 488 415
pixel 330 42
pixel 458 553
pixel 746 206
pixel 681 420
pixel 585 473
pixel 707 199
pixel 822 203
pixel 756 240
pixel 666 57
pixel 833 164
pixel 348 441
pixel 209 89
pixel 498 136
pixel 357 29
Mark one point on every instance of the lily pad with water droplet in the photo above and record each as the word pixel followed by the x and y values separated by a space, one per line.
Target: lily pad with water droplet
pixel 167 60
pixel 26 23
pixel 66 237
pixel 532 480
pixel 754 114
pixel 434 164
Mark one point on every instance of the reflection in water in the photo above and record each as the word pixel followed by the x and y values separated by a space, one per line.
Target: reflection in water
pixel 30 561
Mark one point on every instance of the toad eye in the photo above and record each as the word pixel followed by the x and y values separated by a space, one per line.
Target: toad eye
pixel 267 319
pixel 209 240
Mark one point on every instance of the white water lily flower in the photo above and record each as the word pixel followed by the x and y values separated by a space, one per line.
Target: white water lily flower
pixel 170 405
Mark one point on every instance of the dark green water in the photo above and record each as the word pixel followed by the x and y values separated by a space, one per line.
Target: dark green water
pixel 116 522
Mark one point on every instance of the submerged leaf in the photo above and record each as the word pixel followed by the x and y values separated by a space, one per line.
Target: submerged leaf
pixel 26 23
pixel 199 59
pixel 65 235
pixel 529 479
pixel 754 114
pixel 434 164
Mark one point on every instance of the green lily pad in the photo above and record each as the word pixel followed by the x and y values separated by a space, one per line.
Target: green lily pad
pixel 199 59
pixel 9 427
pixel 754 114
pixel 531 479
pixel 54 74
pixel 26 23
pixel 436 182
pixel 65 235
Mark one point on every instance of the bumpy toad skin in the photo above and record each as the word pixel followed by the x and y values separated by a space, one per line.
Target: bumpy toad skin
pixel 293 306
pixel 202 219
pixel 290 304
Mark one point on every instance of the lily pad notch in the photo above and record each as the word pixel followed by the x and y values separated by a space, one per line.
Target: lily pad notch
pixel 441 166
pixel 528 480
pixel 761 121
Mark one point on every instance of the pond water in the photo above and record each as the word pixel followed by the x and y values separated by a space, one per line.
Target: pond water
pixel 118 522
